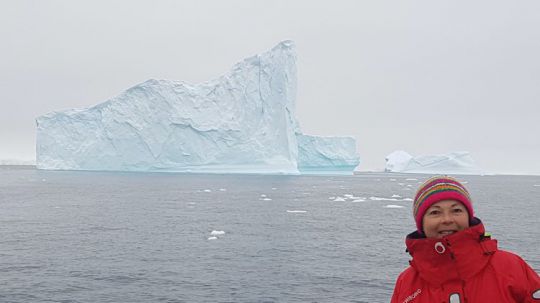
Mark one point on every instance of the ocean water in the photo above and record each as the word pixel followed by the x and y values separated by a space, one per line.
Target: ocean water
pixel 133 237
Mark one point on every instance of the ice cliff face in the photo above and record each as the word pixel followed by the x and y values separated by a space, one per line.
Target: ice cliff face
pixel 451 163
pixel 242 122
pixel 326 154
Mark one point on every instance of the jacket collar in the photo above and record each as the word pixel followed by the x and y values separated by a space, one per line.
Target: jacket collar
pixel 458 256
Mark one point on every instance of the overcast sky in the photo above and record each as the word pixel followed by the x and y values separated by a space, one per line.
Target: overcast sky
pixel 427 77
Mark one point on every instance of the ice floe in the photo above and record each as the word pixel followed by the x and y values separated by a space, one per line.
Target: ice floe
pixel 394 206
pixel 382 199
pixel 297 211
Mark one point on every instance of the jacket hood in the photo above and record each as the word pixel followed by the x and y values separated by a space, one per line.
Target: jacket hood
pixel 460 255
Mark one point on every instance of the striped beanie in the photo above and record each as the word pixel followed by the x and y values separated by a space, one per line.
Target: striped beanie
pixel 437 189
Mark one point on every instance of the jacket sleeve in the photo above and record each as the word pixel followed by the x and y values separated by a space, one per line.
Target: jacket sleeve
pixel 526 286
pixel 396 291
pixel 533 284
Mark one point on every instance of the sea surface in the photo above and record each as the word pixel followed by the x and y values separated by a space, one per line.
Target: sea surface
pixel 153 237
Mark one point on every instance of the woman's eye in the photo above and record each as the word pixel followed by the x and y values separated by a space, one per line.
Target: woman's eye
pixel 458 210
pixel 434 212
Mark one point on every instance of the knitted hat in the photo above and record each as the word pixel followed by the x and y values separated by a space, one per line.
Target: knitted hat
pixel 437 189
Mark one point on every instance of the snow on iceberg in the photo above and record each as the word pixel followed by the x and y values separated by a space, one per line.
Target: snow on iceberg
pixel 450 163
pixel 242 122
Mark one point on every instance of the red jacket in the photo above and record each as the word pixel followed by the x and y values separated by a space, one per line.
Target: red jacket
pixel 464 267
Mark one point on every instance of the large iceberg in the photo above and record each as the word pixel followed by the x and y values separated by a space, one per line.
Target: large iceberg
pixel 459 163
pixel 242 122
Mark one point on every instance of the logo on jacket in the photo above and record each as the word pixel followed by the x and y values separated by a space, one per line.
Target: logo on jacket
pixel 536 294
pixel 414 295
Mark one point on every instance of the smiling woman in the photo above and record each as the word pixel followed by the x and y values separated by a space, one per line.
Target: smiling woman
pixel 453 259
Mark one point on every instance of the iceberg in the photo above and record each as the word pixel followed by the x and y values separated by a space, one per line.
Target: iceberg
pixel 242 122
pixel 458 163
pixel 334 155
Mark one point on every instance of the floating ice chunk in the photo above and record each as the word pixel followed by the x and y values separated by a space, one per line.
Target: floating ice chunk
pixel 331 198
pixel 222 189
pixel 273 188
pixel 339 199
pixel 217 233
pixel 393 180
pixel 348 195
pixel 396 196
pixel 382 199
pixel 212 238
pixel 266 199
pixel 411 179
pixel 536 185
pixel 359 200
pixel 263 196
pixel 43 180
pixel 297 211
pixel 207 191
pixel 407 199
pixel 394 206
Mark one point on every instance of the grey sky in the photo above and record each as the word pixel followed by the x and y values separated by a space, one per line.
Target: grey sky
pixel 423 76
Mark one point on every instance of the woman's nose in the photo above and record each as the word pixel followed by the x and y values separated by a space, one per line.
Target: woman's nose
pixel 447 217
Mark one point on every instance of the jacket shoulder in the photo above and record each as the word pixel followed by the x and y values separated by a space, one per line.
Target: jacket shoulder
pixel 407 284
pixel 506 260
pixel 408 274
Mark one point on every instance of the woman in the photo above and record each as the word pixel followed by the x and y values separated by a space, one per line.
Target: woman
pixel 453 259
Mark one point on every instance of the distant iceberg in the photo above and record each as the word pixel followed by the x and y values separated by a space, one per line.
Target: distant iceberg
pixel 457 163
pixel 242 122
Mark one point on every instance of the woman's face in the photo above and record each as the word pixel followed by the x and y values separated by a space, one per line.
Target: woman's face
pixel 444 218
